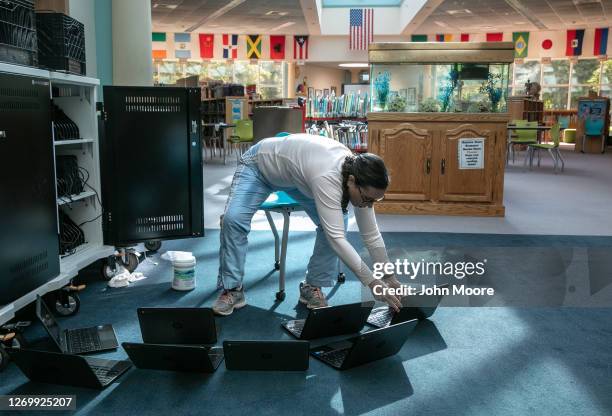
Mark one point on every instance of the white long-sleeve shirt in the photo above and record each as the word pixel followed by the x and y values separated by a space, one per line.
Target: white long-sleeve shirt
pixel 313 165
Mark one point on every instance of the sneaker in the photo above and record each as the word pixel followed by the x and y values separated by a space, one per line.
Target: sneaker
pixel 312 296
pixel 229 300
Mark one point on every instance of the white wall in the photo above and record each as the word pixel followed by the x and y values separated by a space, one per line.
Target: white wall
pixel 132 50
pixel 83 11
pixel 320 77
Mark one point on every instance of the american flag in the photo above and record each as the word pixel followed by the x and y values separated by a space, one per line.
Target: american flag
pixel 361 28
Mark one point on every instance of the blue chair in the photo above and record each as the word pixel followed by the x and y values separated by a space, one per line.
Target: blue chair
pixel 283 204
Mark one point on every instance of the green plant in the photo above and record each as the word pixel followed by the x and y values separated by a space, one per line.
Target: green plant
pixel 429 105
pixel 397 104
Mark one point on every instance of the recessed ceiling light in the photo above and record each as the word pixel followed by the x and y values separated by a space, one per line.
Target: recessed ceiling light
pixel 282 26
pixel 171 6
pixel 441 23
pixel 459 11
pixel 354 65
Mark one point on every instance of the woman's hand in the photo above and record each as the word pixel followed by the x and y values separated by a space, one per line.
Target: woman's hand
pixel 380 287
pixel 391 281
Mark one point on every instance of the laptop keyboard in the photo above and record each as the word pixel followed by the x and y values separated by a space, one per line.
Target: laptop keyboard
pixel 104 374
pixel 335 357
pixel 380 318
pixel 296 327
pixel 85 339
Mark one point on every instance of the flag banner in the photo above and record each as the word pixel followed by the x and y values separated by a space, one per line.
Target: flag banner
pixel 182 38
pixel 277 47
pixel 547 44
pixel 361 28
pixel 465 37
pixel 158 37
pixel 160 54
pixel 182 54
pixel 418 38
pixel 443 37
pixel 600 47
pixel 253 46
pixel 573 46
pixel 521 44
pixel 230 46
pixel 495 37
pixel 300 47
pixel 207 45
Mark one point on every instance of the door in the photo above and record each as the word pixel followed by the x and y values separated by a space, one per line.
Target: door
pixel 151 162
pixel 407 150
pixel 29 256
pixel 465 159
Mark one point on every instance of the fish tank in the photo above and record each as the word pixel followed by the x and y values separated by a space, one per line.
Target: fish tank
pixel 447 77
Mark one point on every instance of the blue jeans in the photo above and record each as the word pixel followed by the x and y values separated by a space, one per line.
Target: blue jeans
pixel 248 191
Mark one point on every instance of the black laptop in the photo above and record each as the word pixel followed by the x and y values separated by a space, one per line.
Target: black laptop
pixel 418 306
pixel 76 341
pixel 266 355
pixel 67 369
pixel 330 321
pixel 364 348
pixel 187 358
pixel 185 326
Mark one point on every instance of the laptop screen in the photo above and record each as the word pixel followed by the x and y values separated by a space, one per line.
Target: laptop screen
pixel 49 322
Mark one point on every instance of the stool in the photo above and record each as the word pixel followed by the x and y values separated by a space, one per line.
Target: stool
pixel 569 136
pixel 282 203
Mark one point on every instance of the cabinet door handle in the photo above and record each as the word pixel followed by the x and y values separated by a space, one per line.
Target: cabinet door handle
pixel 428 166
pixel 443 165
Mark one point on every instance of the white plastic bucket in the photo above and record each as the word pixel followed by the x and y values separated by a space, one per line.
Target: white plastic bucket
pixel 184 273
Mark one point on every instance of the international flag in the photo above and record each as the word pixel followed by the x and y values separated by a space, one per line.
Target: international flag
pixel 573 46
pixel 253 46
pixel 495 37
pixel 182 53
pixel 182 38
pixel 277 46
pixel 230 46
pixel 159 45
pixel 443 37
pixel 521 44
pixel 465 37
pixel 207 43
pixel 361 32
pixel 600 47
pixel 300 47
pixel 418 38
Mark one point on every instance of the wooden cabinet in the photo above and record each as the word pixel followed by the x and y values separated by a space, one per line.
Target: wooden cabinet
pixel 411 181
pixel 523 107
pixel 422 153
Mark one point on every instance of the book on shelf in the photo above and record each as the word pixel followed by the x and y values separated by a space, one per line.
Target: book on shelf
pixel 332 106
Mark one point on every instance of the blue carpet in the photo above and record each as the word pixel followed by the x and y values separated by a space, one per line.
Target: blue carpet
pixel 464 361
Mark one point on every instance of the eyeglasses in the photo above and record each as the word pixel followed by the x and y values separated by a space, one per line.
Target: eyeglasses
pixel 367 199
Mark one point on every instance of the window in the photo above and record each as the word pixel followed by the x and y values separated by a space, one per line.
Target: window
pixel 556 72
pixel 585 72
pixel 269 76
pixel 528 71
pixel 555 98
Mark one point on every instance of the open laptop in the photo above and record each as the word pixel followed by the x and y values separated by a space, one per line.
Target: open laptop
pixel 67 369
pixel 195 326
pixel 188 358
pixel 76 341
pixel 330 321
pixel 419 306
pixel 364 348
pixel 266 355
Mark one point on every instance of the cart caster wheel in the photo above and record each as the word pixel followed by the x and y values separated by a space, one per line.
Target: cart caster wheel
pixel 277 265
pixel 153 245
pixel 107 272
pixel 341 278
pixel 67 304
pixel 4 358
pixel 131 262
pixel 280 296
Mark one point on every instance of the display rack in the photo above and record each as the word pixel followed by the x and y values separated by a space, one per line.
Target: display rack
pixel 76 96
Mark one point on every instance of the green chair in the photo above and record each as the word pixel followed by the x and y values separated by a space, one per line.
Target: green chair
pixel 553 149
pixel 522 137
pixel 242 137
